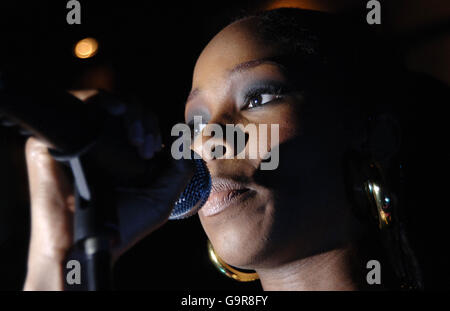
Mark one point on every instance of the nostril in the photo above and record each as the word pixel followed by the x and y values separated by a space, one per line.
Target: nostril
pixel 218 151
pixel 267 158
pixel 238 141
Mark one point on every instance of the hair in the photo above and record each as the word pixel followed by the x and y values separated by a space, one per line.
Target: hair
pixel 336 55
pixel 319 40
pixel 328 52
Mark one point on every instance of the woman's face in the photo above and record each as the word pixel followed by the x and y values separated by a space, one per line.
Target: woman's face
pixel 257 218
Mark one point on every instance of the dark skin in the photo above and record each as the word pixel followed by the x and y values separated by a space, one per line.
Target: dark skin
pixel 294 226
pixel 296 230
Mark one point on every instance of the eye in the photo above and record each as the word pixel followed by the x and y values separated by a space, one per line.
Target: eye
pixel 263 93
pixel 260 99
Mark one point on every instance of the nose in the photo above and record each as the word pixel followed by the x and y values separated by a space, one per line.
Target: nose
pixel 211 143
pixel 221 139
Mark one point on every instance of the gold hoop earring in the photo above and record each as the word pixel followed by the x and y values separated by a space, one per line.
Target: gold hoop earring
pixel 228 270
pixel 380 202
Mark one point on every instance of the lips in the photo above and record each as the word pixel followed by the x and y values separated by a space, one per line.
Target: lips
pixel 224 193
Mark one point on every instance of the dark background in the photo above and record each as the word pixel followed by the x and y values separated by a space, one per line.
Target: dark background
pixel 149 49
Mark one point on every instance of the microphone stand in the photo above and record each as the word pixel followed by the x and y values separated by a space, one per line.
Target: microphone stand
pixel 94 224
pixel 71 128
pixel 75 134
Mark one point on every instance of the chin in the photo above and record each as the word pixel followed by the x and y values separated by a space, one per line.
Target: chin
pixel 239 240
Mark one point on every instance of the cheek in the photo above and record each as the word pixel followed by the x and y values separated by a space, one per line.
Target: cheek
pixel 288 118
pixel 276 124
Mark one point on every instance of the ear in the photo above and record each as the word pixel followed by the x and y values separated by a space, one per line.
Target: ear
pixel 383 137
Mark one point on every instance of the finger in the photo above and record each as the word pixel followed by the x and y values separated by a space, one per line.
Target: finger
pixel 143 129
pixel 160 195
pixel 52 202
pixel 148 148
pixel 46 176
pixel 141 211
pixel 152 138
pixel 134 124
pixel 173 180
pixel 151 145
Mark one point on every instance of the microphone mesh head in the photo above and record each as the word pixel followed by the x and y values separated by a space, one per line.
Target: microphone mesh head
pixel 195 194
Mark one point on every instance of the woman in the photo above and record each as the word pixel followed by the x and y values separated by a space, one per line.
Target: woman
pixel 295 226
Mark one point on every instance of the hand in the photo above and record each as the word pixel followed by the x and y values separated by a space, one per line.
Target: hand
pixel 140 210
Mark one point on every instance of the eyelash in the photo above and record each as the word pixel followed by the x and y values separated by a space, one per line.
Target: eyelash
pixel 273 90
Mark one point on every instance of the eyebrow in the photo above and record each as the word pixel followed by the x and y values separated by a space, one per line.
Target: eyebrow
pixel 253 63
pixel 238 69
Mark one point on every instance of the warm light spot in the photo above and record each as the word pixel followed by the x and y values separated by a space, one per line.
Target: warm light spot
pixel 302 4
pixel 316 5
pixel 86 48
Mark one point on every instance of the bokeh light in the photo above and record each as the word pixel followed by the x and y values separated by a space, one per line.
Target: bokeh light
pixel 86 48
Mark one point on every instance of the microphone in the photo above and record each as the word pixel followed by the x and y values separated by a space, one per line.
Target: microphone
pixel 195 194
pixel 69 127
pixel 94 144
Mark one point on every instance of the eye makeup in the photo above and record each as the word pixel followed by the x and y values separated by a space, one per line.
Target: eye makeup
pixel 262 93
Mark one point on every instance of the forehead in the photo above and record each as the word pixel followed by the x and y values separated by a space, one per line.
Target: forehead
pixel 238 43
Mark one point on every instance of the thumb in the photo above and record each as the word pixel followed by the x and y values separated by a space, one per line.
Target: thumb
pixel 52 202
